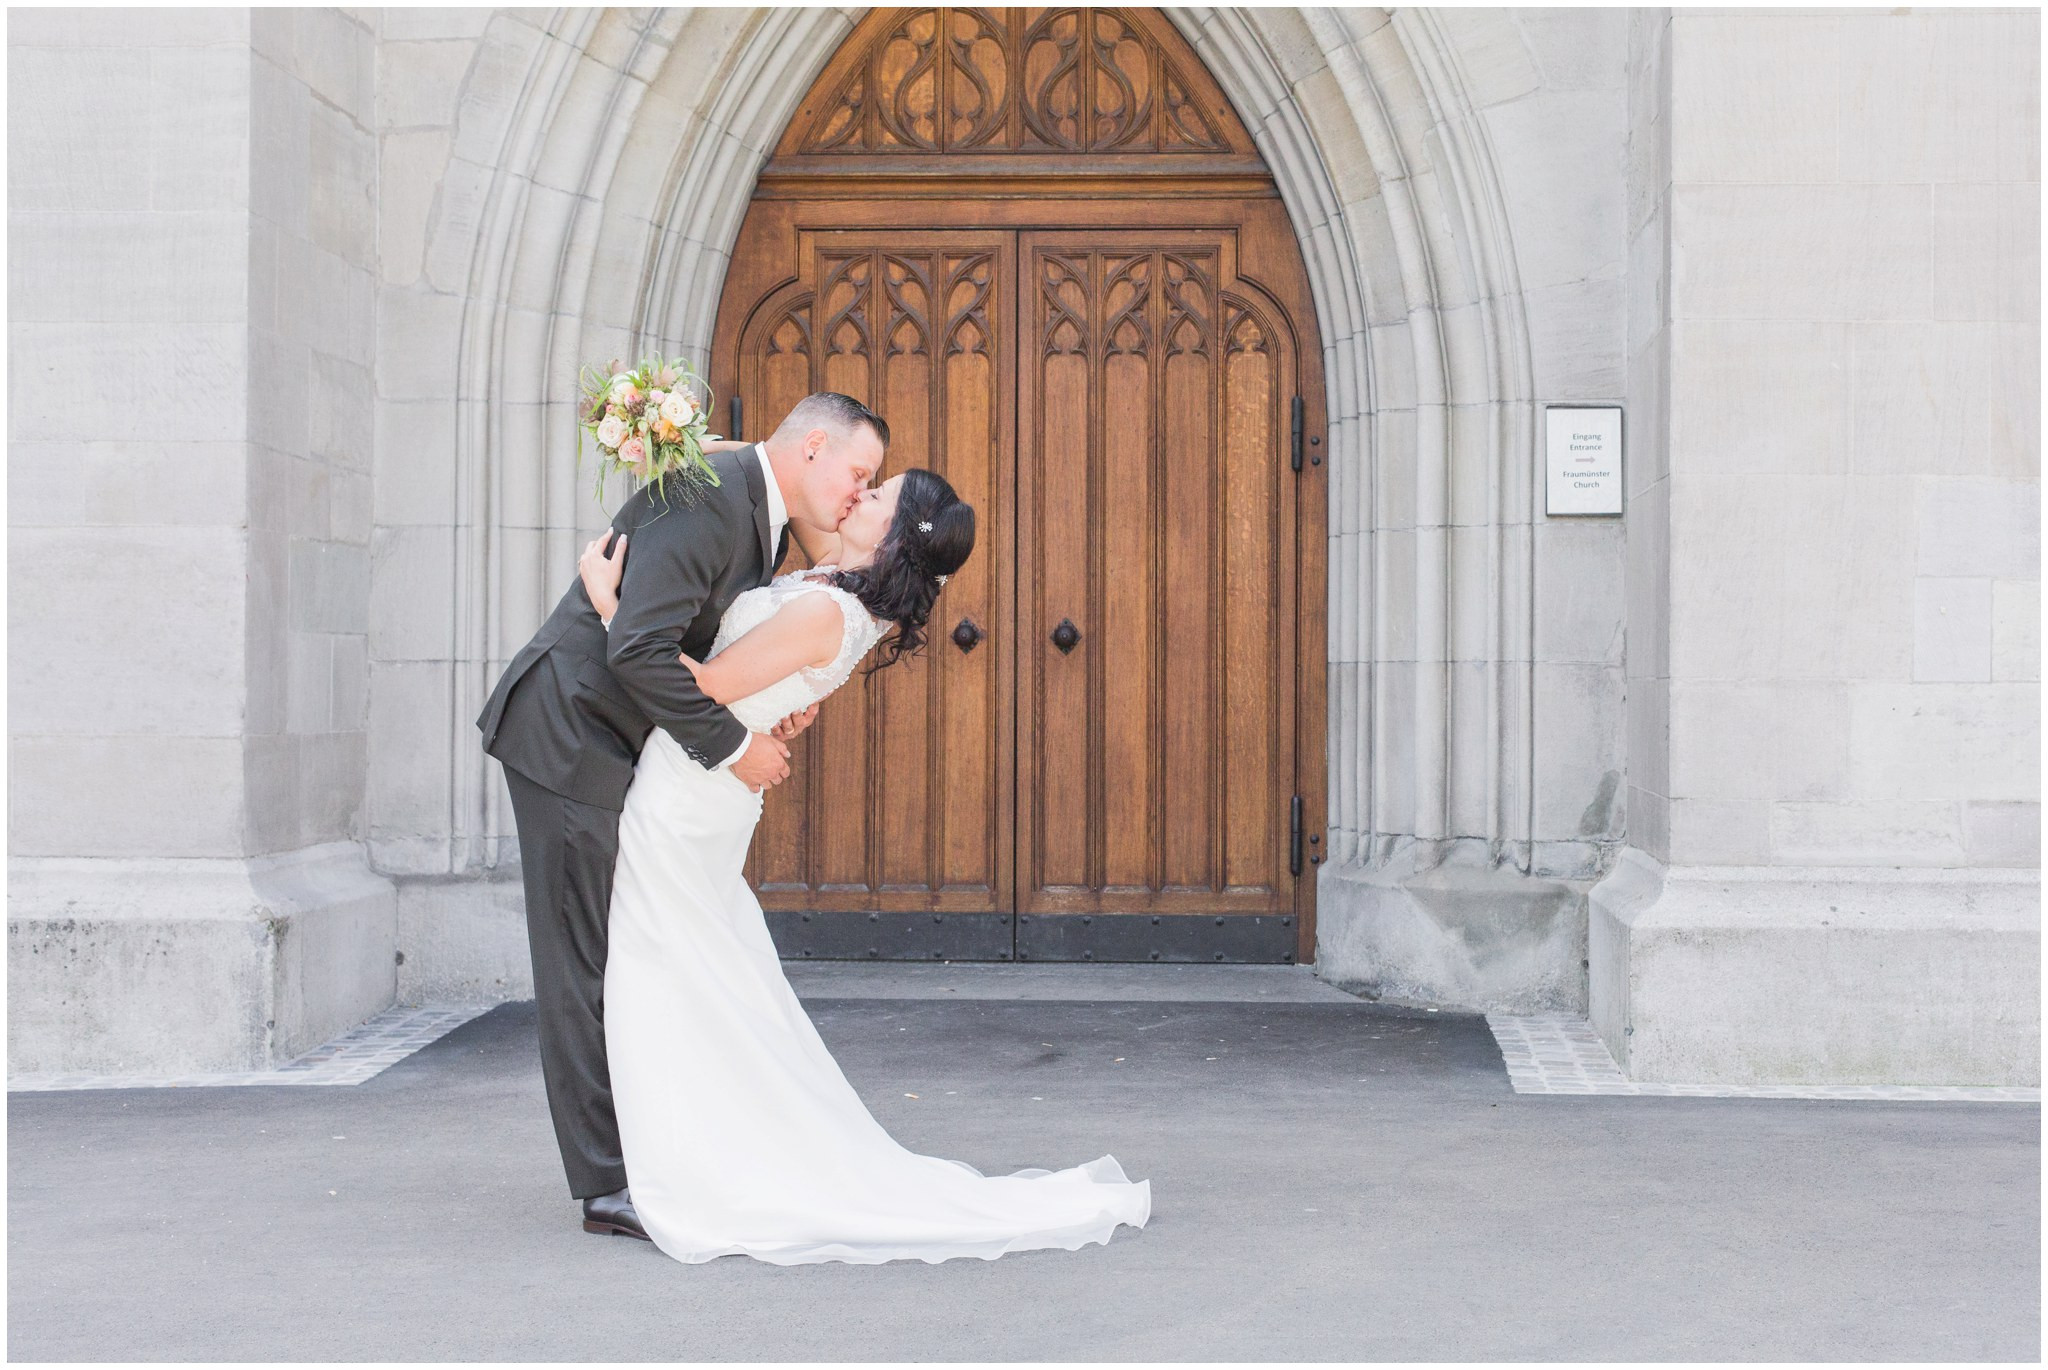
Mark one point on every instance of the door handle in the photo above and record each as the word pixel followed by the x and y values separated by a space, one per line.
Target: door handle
pixel 1066 637
pixel 967 636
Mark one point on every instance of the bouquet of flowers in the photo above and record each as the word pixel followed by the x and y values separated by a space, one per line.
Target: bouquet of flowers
pixel 648 423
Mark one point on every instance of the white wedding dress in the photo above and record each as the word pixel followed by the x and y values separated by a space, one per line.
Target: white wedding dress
pixel 740 1133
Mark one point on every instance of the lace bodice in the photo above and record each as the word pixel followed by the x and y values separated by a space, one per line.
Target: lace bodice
pixel 804 686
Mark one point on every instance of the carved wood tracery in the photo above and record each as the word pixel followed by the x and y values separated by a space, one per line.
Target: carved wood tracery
pixel 1025 82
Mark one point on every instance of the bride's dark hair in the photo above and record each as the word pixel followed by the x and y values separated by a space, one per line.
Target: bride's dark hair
pixel 901 583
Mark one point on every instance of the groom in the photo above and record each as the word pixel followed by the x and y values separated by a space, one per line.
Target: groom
pixel 569 715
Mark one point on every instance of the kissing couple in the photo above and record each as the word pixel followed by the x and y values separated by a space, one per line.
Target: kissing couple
pixel 693 1101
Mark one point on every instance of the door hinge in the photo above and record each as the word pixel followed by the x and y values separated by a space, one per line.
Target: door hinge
pixel 1294 835
pixel 1300 414
pixel 735 434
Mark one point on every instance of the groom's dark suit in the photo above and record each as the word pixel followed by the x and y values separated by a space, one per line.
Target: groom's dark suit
pixel 567 720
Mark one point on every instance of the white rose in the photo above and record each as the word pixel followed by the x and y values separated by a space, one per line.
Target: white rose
pixel 612 431
pixel 679 407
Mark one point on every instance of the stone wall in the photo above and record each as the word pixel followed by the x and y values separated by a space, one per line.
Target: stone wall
pixel 188 465
pixel 1836 750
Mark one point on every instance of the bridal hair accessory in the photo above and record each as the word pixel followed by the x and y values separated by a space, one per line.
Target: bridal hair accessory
pixel 648 423
pixel 940 579
pixel 924 525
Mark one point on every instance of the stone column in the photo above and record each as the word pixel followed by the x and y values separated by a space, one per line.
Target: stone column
pixel 1834 553
pixel 192 207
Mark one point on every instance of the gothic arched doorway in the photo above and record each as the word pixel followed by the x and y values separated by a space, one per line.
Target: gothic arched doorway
pixel 1041 243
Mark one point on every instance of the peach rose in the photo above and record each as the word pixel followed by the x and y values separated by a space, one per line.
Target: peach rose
pixel 633 452
pixel 611 431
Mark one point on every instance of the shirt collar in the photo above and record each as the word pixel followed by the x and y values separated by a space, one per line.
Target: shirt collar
pixel 778 512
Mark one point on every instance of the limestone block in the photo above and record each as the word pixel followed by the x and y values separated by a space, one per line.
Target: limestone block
pixel 302 788
pixel 122 267
pixel 280 147
pixel 1474 603
pixel 330 586
pixel 420 82
pixel 62 150
pixel 1778 252
pixel 1648 713
pixel 2016 630
pixel 341 211
pixel 1395 572
pixel 1951 628
pixel 340 419
pixel 1755 99
pixel 1649 822
pixel 464 939
pixel 113 27
pixel 1493 54
pixel 125 484
pixel 1577 334
pixel 1582 620
pixel 409 23
pixel 1941 97
pixel 1730 832
pixel 147 796
pixel 185 382
pixel 457 220
pixel 409 173
pixel 267 608
pixel 418 343
pixel 1393 758
pixel 1817 975
pixel 410 762
pixel 1470 690
pixel 1980 528
pixel 1949 399
pixel 415 462
pixel 278 379
pixel 1458 936
pixel 95 651
pixel 309 677
pixel 1647 527
pixel 349 503
pixel 2002 834
pixel 1576 49
pixel 1987 252
pixel 1945 741
pixel 1785 739
pixel 1544 144
pixel 337 58
pixel 173 966
pixel 1759 397
pixel 1369 236
pixel 502 62
pixel 1579 726
pixel 1800 576
pixel 412 594
pixel 1899 832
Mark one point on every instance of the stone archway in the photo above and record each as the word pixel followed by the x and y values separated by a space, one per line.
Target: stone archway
pixel 612 156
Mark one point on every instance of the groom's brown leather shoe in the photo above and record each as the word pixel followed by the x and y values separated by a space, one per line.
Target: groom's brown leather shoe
pixel 613 1213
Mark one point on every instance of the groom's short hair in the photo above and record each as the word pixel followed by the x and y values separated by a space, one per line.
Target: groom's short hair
pixel 830 409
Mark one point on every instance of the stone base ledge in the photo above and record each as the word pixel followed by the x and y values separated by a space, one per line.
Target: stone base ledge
pixel 462 939
pixel 1817 975
pixel 161 966
pixel 1443 927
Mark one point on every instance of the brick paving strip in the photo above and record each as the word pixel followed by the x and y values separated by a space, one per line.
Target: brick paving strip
pixel 349 1059
pixel 1555 1053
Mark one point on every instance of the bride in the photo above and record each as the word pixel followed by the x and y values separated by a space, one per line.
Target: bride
pixel 740 1133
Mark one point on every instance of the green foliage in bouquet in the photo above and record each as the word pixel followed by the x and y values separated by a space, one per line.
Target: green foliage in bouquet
pixel 648 424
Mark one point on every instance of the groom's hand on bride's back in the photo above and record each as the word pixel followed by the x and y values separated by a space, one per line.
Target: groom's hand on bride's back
pixel 765 763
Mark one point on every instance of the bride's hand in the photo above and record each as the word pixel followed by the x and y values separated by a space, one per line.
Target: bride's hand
pixel 601 572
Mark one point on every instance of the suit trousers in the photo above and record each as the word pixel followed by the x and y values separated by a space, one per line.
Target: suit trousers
pixel 567 850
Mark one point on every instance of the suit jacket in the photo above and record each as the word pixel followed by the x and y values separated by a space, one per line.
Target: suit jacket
pixel 576 704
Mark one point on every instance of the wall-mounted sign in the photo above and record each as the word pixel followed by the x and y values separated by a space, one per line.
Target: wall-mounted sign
pixel 1585 460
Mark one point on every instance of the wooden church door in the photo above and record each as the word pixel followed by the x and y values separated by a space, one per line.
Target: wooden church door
pixel 1098 330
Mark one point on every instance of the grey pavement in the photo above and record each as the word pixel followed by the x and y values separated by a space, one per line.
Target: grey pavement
pixel 1332 1180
